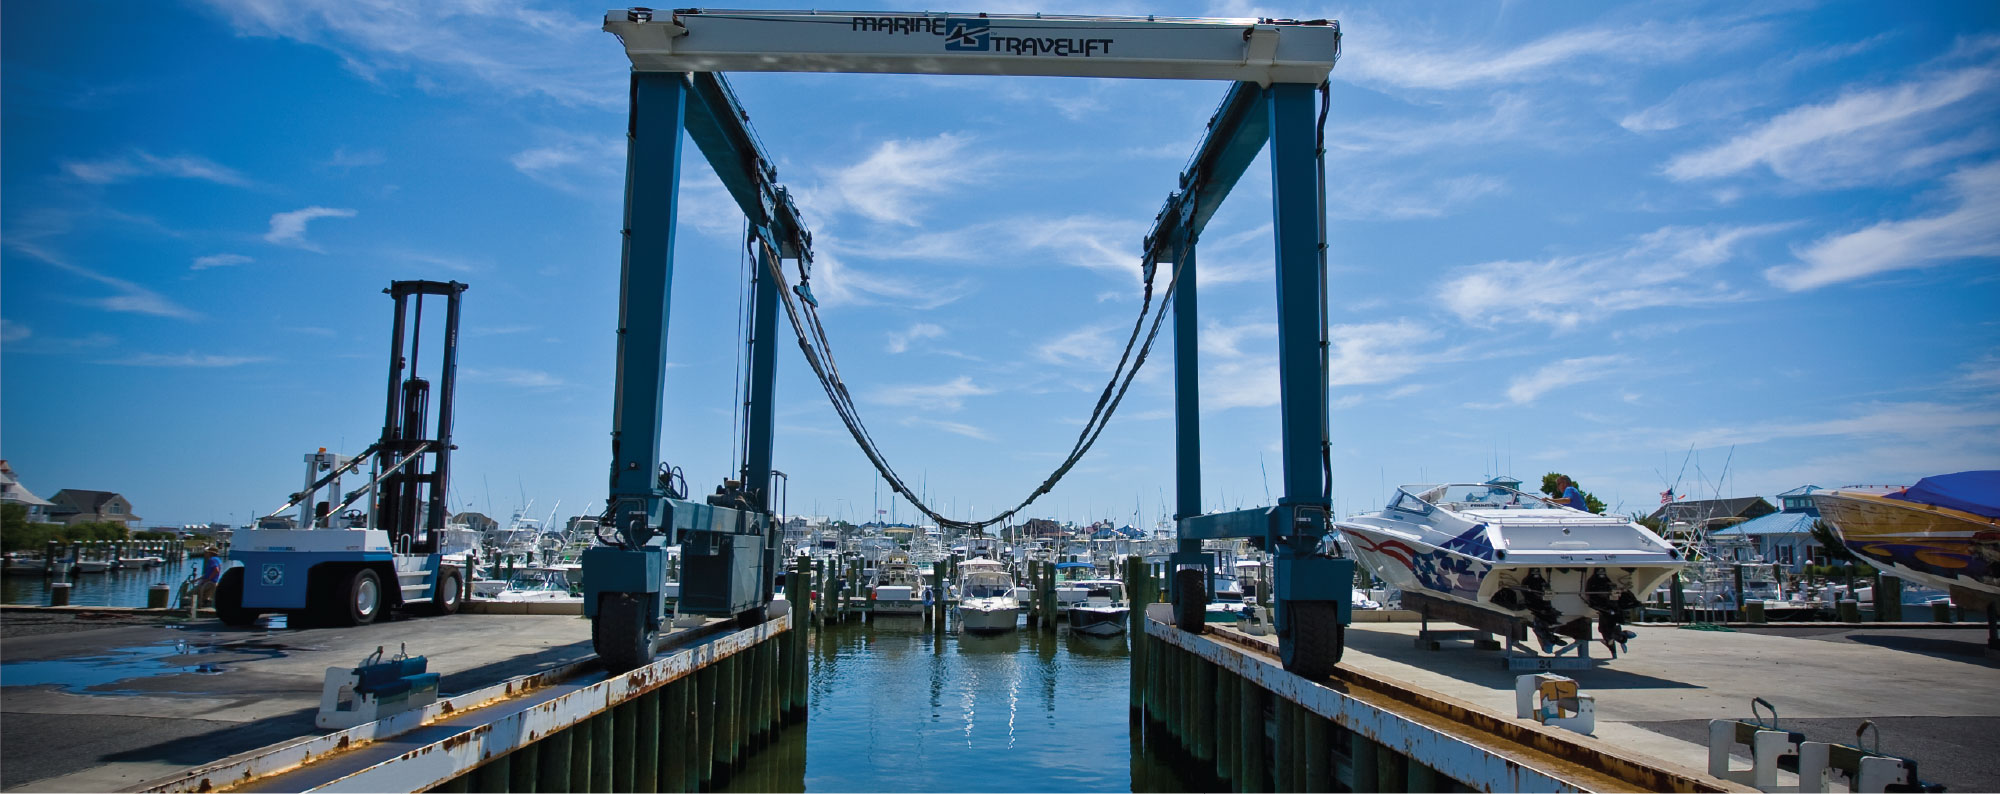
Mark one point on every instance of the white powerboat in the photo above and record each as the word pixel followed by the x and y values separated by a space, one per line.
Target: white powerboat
pixel 1103 611
pixel 1496 548
pixel 986 597
pixel 898 588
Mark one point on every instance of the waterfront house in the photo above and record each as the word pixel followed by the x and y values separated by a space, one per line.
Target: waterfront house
pixel 1713 514
pixel 78 506
pixel 11 492
pixel 1784 537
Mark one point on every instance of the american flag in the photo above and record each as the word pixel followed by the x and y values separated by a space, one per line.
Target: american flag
pixel 1666 496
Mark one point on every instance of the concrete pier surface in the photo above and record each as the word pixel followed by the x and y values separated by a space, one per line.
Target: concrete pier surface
pixel 106 708
pixel 1933 692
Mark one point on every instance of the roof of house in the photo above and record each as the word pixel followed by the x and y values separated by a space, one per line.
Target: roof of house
pixel 84 501
pixel 1773 524
pixel 1802 490
pixel 1710 509
pixel 11 489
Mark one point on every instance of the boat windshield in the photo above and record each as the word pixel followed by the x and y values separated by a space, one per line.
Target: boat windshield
pixel 988 585
pixel 1477 497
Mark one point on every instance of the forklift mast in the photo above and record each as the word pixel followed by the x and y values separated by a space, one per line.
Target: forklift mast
pixel 411 503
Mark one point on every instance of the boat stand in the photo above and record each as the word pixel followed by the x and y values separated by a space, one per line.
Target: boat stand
pixel 1483 626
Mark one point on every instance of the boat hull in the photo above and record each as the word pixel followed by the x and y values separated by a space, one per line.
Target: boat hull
pixel 1952 550
pixel 1473 576
pixel 1101 621
pixel 986 618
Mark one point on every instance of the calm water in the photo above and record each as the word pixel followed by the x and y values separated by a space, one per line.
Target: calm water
pixel 108 589
pixel 896 709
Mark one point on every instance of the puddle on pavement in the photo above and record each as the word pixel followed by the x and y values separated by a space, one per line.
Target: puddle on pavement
pixel 95 675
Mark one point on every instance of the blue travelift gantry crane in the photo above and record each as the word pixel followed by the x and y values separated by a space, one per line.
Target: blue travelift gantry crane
pixel 729 540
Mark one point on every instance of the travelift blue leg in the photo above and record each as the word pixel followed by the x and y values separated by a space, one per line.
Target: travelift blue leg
pixel 1302 403
pixel 1187 405
pixel 652 199
pixel 763 372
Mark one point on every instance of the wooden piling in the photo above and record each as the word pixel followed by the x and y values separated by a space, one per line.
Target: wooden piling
pixel 1228 685
pixel 1318 753
pixel 495 775
pixel 1201 692
pixel 1422 778
pixel 724 746
pixel 580 754
pixel 1254 758
pixel 554 774
pixel 704 709
pixel 524 774
pixel 646 743
pixel 1286 761
pixel 1391 775
pixel 603 758
pixel 675 735
pixel 623 758
pixel 456 785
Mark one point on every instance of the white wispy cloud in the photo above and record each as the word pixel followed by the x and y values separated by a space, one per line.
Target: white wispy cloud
pixel 1731 95
pixel 219 260
pixel 140 163
pixel 127 296
pixel 1865 135
pixel 11 332
pixel 1365 353
pixel 347 159
pixel 185 360
pixel 947 396
pixel 899 341
pixel 888 185
pixel 1667 267
pixel 1386 60
pixel 1881 420
pixel 1091 345
pixel 1971 229
pixel 289 228
pixel 507 49
pixel 1528 387
pixel 574 163
pixel 512 376
pixel 959 428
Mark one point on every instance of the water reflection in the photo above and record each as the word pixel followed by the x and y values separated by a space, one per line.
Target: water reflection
pixel 122 588
pixel 896 707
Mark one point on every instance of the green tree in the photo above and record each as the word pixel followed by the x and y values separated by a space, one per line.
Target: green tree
pixel 1590 500
pixel 1823 534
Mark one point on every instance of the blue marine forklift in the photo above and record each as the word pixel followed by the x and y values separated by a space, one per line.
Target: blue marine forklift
pixel 347 558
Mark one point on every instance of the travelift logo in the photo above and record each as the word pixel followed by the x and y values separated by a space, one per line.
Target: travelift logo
pixel 968 35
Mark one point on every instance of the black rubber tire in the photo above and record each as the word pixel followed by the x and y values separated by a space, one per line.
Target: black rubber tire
pixel 229 600
pixel 1317 639
pixel 620 633
pixel 444 597
pixel 750 618
pixel 352 604
pixel 1191 599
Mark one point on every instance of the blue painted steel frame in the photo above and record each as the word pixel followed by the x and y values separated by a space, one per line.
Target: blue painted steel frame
pixel 1250 116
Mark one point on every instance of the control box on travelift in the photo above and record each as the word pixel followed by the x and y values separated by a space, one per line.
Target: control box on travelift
pixel 345 558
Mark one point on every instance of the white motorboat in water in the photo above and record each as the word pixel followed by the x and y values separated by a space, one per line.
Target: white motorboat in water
pixel 1103 611
pixel 898 588
pixel 986 597
pixel 1496 548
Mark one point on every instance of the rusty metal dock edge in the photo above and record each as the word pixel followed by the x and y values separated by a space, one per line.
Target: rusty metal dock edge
pixel 1483 750
pixel 435 763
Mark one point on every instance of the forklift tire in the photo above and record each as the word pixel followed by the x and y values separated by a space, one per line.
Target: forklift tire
pixel 357 598
pixel 1191 599
pixel 1316 639
pixel 749 618
pixel 229 600
pixel 444 597
pixel 620 633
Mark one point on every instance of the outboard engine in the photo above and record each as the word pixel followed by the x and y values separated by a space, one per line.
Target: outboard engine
pixel 1611 603
pixel 1533 594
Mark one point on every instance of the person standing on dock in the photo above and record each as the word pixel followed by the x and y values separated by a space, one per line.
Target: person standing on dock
pixel 211 575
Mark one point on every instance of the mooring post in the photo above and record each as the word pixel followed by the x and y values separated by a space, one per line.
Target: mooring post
pixel 646 741
pixel 496 775
pixel 1135 621
pixel 554 774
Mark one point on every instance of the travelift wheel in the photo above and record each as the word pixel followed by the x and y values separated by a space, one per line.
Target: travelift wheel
pixel 444 597
pixel 358 598
pixel 1190 599
pixel 620 633
pixel 1316 639
pixel 229 600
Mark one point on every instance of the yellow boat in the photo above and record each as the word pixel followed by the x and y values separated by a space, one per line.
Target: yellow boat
pixel 1943 532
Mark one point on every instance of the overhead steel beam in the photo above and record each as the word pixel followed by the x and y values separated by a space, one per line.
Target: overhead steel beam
pixel 1236 133
pixel 1264 51
pixel 720 128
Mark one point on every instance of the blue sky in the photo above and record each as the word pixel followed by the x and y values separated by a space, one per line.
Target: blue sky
pixel 1564 237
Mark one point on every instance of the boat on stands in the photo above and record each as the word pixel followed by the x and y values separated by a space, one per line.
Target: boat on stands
pixel 1103 611
pixel 1943 532
pixel 1499 549
pixel 986 601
